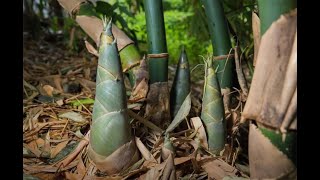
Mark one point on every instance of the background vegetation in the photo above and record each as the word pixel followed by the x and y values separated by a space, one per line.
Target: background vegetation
pixel 185 24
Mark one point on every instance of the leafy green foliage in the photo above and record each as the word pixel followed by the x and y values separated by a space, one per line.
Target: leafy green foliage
pixel 185 24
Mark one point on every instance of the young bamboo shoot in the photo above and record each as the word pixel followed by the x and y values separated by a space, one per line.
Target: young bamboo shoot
pixel 212 113
pixel 181 84
pixel 110 137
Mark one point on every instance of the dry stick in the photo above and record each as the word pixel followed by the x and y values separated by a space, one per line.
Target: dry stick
pixel 239 104
pixel 181 132
pixel 64 128
pixel 57 117
pixel 187 123
pixel 84 106
pixel 225 65
pixel 24 90
pixel 241 79
pixel 142 120
pixel 74 97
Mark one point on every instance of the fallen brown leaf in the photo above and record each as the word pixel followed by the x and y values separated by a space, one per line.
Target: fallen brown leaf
pixel 144 151
pixel 58 148
pixel 32 146
pixel 67 160
pixel 217 169
pixel 47 168
pixel 48 89
pixel 73 176
pixel 201 133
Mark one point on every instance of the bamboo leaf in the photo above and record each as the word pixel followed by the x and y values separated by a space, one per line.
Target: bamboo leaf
pixel 82 101
pixel 105 8
pixel 73 116
pixel 218 169
pixel 65 152
pixel 91 49
pixel 58 148
pixel 87 10
pixel 181 114
pixel 201 132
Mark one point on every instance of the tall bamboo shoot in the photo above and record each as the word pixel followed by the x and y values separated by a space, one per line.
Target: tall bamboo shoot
pixel 212 113
pixel 111 144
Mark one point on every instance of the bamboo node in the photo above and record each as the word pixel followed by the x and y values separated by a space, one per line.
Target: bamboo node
pixel 223 57
pixel 160 55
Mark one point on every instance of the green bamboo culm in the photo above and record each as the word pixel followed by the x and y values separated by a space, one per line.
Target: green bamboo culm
pixel 110 124
pixel 129 56
pixel 158 67
pixel 212 113
pixel 181 84
pixel 220 39
pixel 270 11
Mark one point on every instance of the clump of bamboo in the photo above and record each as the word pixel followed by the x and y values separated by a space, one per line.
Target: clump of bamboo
pixel 212 113
pixel 112 147
pixel 181 84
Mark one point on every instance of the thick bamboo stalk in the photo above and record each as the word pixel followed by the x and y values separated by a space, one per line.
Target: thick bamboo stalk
pixel 212 113
pixel 158 67
pixel 158 95
pixel 220 38
pixel 110 129
pixel 269 12
pixel 272 96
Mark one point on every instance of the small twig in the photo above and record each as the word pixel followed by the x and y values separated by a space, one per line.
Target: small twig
pixel 61 134
pixel 74 97
pixel 189 127
pixel 181 132
pixel 223 57
pixel 84 106
pixel 225 65
pixel 142 120
pixel 235 109
pixel 240 75
pixel 24 90
pixel 196 67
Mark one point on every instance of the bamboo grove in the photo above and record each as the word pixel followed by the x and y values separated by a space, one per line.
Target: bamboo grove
pixel 111 135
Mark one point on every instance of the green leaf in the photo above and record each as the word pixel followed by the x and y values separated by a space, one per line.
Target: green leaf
pixel 88 10
pixel 105 8
pixel 73 116
pixel 64 152
pixel 182 113
pixel 125 11
pixel 82 101
pixel 29 177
